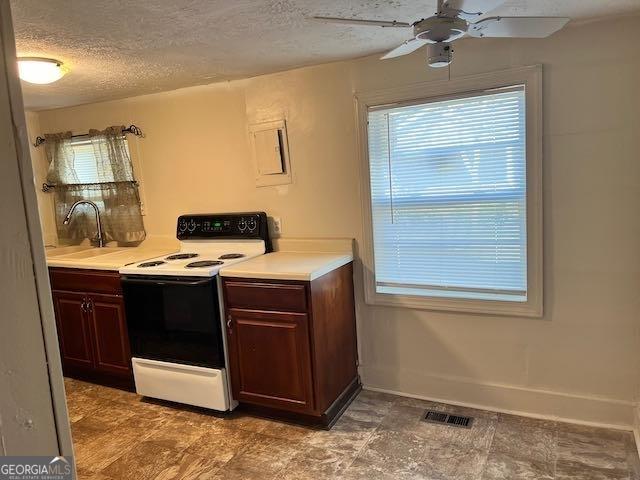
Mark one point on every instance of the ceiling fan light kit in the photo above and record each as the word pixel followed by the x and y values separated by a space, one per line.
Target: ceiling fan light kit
pixel 456 19
pixel 439 55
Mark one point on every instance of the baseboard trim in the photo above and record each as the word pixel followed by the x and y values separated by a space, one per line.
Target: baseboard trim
pixel 636 426
pixel 511 399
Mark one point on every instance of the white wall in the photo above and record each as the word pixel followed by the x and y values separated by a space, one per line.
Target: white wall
pixel 581 360
pixel 46 205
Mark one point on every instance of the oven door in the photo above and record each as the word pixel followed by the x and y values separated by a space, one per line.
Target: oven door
pixel 174 319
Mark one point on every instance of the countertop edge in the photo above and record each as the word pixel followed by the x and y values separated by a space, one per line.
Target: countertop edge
pixel 307 276
pixel 93 266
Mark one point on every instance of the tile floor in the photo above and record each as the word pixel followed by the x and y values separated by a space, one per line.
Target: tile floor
pixel 118 435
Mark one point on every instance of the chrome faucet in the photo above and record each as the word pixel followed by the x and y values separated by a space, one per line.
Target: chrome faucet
pixel 67 217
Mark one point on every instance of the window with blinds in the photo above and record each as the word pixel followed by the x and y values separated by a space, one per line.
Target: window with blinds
pixel 85 163
pixel 448 196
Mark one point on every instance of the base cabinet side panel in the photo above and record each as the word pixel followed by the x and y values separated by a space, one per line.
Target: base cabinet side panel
pixel 333 334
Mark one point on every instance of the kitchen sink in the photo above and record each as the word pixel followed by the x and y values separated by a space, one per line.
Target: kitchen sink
pixel 90 252
pixel 104 258
pixel 58 251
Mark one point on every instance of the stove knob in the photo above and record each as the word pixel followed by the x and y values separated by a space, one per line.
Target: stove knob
pixel 252 224
pixel 192 226
pixel 182 226
pixel 242 225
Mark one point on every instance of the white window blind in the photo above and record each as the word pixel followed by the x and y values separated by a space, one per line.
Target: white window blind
pixel 448 194
pixel 86 164
pixel 84 161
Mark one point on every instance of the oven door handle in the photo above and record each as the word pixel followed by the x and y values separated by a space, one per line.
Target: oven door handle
pixel 157 281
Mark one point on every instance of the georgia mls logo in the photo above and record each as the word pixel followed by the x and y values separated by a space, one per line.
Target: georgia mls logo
pixel 35 468
pixel 59 466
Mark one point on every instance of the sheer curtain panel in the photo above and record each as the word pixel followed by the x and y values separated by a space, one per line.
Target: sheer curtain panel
pixel 98 168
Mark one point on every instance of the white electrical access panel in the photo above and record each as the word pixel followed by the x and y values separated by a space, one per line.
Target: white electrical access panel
pixel 270 148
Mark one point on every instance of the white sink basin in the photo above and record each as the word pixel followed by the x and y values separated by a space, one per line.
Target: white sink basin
pixel 105 258
pixel 89 253
pixel 58 251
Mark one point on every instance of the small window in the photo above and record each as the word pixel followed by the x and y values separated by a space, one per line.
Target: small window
pixel 448 199
pixel 85 163
pixel 86 166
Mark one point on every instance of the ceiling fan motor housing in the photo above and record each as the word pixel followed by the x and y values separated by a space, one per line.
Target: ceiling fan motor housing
pixel 440 29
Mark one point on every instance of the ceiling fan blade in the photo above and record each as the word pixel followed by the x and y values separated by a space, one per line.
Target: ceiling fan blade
pixel 356 21
pixel 517 27
pixel 407 47
pixel 472 9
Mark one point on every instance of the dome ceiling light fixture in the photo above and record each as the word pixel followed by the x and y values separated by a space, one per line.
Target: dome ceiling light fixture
pixel 40 70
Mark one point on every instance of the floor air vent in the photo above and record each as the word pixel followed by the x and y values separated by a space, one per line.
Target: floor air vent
pixel 444 418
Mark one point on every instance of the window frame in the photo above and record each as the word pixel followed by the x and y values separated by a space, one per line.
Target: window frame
pixel 531 78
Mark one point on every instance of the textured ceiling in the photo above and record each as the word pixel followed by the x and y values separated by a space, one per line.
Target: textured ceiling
pixel 118 49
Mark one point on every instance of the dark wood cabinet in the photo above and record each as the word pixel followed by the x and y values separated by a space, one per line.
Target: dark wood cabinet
pixel 92 328
pixel 73 329
pixel 292 345
pixel 270 358
pixel 111 342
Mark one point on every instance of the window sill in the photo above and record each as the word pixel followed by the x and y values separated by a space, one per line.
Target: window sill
pixel 530 308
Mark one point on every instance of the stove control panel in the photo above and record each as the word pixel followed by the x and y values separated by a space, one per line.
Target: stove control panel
pixel 224 225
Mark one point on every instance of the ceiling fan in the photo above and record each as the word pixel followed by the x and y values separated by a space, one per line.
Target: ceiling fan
pixel 455 19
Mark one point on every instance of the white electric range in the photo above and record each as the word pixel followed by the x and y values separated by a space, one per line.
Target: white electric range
pixel 174 309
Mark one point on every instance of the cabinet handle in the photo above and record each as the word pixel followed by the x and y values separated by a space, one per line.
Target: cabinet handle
pixel 86 305
pixel 229 323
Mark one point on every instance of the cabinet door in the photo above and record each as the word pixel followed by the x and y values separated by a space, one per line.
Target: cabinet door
pixel 270 359
pixel 111 342
pixel 74 334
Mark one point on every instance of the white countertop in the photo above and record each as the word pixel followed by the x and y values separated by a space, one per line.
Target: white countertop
pixel 106 258
pixel 305 266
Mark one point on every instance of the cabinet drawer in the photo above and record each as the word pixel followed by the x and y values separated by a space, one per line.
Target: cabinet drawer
pixel 98 281
pixel 255 295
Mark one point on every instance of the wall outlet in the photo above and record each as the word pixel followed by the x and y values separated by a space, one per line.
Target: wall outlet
pixel 276 226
